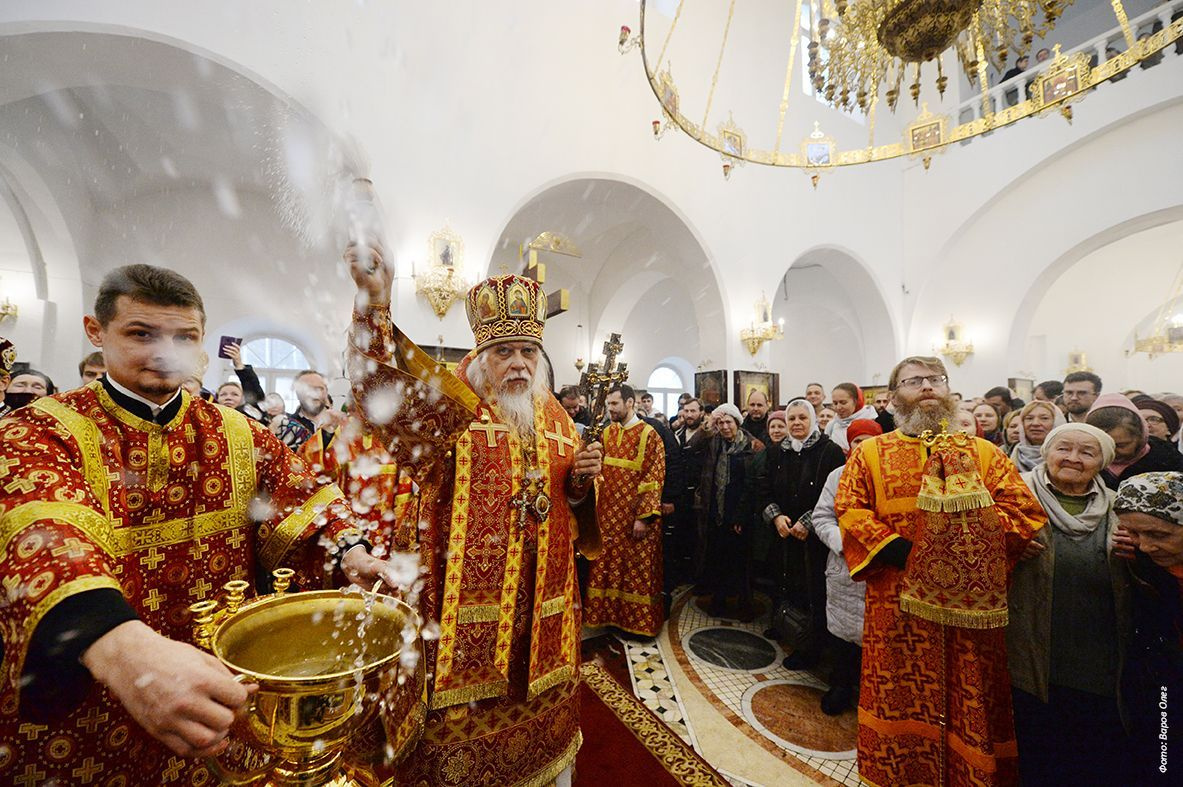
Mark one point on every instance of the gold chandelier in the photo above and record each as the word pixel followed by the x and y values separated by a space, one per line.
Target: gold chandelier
pixel 874 44
pixel 1166 332
pixel 861 52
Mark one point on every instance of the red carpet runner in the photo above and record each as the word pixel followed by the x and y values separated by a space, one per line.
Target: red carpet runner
pixel 625 743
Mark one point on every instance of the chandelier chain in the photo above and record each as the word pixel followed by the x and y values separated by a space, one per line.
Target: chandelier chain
pixel 668 36
pixel 718 63
pixel 795 36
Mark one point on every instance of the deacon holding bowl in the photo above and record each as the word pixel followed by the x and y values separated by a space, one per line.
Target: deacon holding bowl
pixel 502 478
pixel 124 502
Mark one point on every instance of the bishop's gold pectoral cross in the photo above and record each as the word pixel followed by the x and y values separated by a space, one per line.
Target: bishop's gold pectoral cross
pixel 531 498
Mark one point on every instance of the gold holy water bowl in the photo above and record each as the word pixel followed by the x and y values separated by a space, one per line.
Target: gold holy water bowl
pixel 322 660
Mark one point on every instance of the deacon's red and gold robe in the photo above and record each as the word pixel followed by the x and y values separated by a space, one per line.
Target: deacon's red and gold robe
pixel 917 673
pixel 500 585
pixel 378 493
pixel 624 583
pixel 95 497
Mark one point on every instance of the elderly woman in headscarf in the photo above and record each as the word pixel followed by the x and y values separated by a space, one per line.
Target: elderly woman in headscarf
pixel 795 472
pixel 725 497
pixel 1036 421
pixel 1150 509
pixel 1069 610
pixel 1137 450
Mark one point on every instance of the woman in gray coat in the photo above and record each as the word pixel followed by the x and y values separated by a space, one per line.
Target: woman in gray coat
pixel 845 598
pixel 1069 609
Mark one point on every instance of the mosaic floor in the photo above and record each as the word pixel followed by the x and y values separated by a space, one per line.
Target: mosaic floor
pixel 738 672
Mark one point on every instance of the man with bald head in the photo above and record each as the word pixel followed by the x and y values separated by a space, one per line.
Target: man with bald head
pixel 755 420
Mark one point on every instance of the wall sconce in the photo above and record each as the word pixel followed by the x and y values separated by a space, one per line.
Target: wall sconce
pixel 955 348
pixel 8 311
pixel 441 285
pixel 763 329
pixel 626 44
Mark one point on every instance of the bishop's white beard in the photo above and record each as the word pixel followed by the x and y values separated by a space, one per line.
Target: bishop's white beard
pixel 914 420
pixel 515 408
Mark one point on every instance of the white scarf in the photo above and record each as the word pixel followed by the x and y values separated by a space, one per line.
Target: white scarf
pixel 837 428
pixel 1097 511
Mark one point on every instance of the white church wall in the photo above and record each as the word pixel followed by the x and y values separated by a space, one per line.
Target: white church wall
pixel 1080 313
pixel 992 271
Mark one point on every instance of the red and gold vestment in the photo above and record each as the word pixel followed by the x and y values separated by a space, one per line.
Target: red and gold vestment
pixel 96 497
pixel 499 574
pixel 624 584
pixel 933 697
pixel 379 493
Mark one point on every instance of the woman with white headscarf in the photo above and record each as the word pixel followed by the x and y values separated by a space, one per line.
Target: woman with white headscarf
pixel 1036 421
pixel 1069 620
pixel 794 473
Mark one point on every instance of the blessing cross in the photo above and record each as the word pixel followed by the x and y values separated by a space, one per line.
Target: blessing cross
pixel 597 381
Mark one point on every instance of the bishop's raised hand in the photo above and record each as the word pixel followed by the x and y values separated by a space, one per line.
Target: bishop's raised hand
pixel 372 274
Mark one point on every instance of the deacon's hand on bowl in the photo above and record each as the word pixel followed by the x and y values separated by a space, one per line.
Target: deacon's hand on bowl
pixel 183 697
pixel 370 273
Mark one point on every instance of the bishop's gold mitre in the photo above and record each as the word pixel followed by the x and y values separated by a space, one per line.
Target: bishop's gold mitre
pixel 506 308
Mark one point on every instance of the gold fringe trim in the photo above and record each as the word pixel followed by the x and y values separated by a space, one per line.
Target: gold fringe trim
pixel 479 613
pixel 467 694
pixel 955 503
pixel 551 679
pixel 962 618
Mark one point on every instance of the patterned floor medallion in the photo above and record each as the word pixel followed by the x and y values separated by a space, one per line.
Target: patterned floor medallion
pixel 787 712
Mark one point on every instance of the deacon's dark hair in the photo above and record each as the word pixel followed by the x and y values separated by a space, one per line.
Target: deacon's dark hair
pixel 626 391
pixel 568 392
pixel 693 400
pixel 1003 393
pixel 1051 388
pixel 94 359
pixel 1085 377
pixel 147 284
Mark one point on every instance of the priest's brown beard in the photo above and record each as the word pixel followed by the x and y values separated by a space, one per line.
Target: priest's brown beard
pixel 914 420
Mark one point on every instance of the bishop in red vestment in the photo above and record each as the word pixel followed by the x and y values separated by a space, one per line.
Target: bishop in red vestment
pixel 502 475
pixel 624 584
pixel 124 502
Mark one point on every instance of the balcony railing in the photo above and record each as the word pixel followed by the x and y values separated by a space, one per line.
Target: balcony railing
pixel 1098 49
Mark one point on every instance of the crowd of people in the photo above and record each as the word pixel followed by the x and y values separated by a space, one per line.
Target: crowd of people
pixel 1054 528
pixel 1094 627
